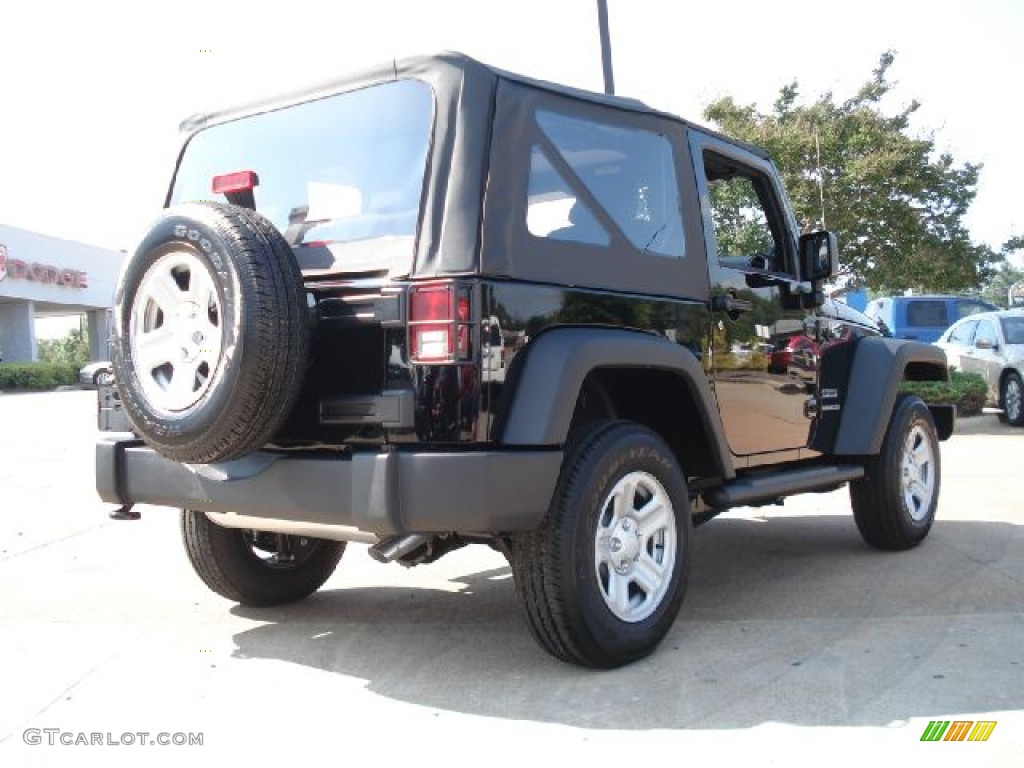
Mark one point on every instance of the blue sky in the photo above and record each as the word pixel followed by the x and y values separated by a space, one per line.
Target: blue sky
pixel 91 104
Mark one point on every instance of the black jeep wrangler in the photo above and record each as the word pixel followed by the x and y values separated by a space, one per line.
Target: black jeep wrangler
pixel 437 304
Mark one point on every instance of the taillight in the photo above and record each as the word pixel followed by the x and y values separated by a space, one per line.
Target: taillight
pixel 439 323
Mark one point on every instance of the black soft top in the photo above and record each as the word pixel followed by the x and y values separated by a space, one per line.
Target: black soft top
pixel 449 68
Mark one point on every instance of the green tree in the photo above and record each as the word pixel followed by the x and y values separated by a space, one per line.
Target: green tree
pixel 1005 274
pixel 895 203
pixel 72 349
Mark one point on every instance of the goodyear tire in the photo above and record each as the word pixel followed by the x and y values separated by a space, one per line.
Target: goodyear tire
pixel 256 568
pixel 210 336
pixel 603 577
pixel 894 504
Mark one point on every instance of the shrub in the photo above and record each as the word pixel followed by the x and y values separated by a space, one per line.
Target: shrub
pixel 967 391
pixel 72 349
pixel 36 376
pixel 755 361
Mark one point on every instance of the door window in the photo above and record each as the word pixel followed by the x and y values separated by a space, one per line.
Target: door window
pixel 985 332
pixel 962 333
pixel 746 234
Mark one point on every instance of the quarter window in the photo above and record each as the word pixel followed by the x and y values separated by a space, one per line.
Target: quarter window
pixel 925 314
pixel 593 183
pixel 554 211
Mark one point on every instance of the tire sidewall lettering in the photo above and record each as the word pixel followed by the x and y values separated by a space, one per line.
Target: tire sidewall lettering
pixel 165 237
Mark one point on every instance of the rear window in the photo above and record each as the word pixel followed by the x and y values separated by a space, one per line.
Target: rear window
pixel 926 314
pixel 1013 329
pixel 343 169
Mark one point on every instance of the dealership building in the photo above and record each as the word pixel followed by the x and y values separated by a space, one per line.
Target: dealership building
pixel 42 276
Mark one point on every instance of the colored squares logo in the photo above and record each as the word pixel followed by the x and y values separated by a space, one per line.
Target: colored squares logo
pixel 958 730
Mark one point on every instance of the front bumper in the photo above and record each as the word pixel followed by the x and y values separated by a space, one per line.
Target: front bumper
pixel 382 493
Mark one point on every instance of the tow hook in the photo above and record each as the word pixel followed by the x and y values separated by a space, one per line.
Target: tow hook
pixel 125 513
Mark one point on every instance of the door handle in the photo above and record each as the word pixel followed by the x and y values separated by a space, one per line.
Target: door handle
pixel 729 303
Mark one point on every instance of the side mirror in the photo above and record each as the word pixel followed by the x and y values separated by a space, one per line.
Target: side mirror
pixel 984 344
pixel 819 256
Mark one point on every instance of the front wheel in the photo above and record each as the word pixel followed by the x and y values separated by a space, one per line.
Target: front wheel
pixel 255 567
pixel 894 504
pixel 603 577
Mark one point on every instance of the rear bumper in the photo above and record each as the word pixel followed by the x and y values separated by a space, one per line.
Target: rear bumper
pixel 382 493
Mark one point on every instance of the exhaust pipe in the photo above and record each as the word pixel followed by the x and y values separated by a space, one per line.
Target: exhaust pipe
pixel 397 547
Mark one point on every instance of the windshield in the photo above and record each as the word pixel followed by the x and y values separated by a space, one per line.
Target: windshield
pixel 346 169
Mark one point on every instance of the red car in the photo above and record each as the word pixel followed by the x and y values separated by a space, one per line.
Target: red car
pixel 797 354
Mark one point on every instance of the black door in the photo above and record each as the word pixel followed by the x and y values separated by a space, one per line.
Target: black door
pixel 764 356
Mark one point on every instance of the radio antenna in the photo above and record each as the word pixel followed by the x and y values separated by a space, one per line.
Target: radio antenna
pixel 821 178
pixel 606 46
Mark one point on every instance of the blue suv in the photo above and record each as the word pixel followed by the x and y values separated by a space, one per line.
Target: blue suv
pixel 922 318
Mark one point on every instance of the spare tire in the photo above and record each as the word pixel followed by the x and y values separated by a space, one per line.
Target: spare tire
pixel 210 337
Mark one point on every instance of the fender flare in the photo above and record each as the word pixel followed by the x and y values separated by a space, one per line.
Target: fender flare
pixel 539 410
pixel 879 366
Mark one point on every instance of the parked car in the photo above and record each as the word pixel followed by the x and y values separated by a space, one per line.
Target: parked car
pixel 96 374
pixel 991 344
pixel 922 318
pixel 797 355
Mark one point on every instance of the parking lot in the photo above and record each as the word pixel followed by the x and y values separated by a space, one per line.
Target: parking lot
pixel 795 642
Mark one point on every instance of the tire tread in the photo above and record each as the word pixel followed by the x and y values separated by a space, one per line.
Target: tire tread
pixel 877 510
pixel 540 562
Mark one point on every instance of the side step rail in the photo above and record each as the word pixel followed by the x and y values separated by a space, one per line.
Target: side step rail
pixel 769 486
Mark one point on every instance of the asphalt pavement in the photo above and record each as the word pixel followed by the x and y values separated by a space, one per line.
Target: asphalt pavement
pixel 796 642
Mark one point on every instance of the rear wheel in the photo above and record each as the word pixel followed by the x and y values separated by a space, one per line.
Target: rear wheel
pixel 602 578
pixel 255 567
pixel 894 504
pixel 1012 399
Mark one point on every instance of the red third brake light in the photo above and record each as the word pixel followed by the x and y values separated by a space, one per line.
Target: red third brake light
pixel 438 323
pixel 239 181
